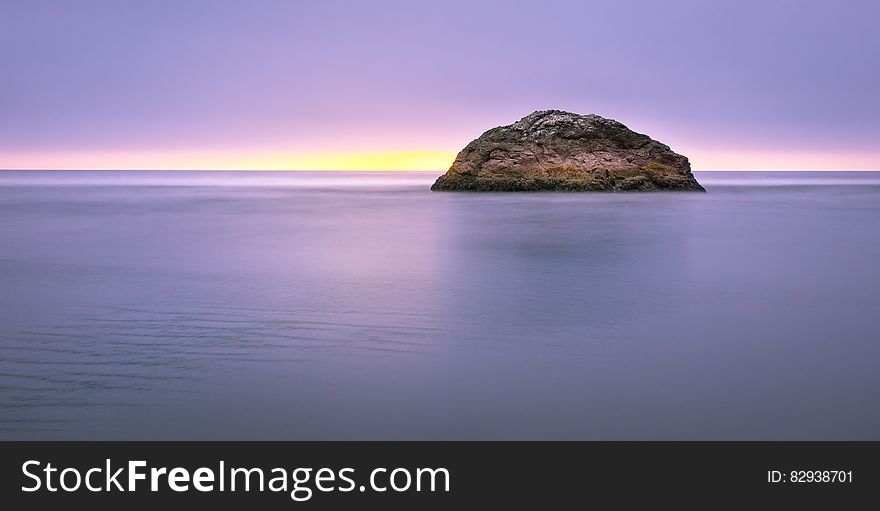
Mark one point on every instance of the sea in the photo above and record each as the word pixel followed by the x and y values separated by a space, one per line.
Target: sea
pixel 246 305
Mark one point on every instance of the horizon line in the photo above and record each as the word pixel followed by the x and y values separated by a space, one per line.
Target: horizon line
pixel 365 170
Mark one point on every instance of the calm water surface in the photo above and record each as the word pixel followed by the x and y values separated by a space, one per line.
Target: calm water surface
pixel 250 305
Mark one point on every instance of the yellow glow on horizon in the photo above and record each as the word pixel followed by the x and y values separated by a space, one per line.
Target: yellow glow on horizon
pixel 436 160
pixel 229 160
pixel 400 160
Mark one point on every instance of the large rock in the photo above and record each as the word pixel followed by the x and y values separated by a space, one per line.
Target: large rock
pixel 555 150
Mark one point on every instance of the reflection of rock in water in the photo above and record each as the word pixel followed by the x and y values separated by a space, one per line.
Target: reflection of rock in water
pixel 555 150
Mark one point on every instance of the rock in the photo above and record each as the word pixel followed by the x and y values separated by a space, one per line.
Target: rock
pixel 562 151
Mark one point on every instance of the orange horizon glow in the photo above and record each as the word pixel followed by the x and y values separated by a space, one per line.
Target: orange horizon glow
pixel 434 160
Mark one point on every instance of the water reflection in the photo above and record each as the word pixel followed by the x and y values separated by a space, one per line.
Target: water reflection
pixel 299 306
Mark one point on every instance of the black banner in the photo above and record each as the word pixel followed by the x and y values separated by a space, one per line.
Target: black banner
pixel 418 475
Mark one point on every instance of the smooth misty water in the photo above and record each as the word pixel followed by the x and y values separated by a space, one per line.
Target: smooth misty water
pixel 360 305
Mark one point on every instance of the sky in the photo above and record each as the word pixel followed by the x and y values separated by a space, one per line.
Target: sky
pixel 264 84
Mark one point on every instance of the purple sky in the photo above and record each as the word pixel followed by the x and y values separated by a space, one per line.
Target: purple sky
pixel 188 84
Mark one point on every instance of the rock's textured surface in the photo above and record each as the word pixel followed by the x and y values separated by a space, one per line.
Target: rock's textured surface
pixel 555 150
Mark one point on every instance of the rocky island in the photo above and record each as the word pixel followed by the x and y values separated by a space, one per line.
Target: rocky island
pixel 562 151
